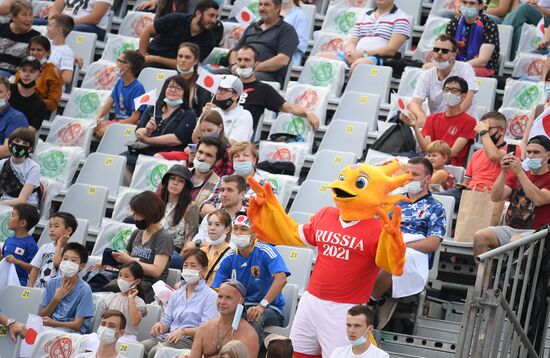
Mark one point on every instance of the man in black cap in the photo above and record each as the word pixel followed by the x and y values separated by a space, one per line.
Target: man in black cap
pixel 23 95
pixel 527 186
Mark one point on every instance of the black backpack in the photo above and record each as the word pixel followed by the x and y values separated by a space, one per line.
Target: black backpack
pixel 397 140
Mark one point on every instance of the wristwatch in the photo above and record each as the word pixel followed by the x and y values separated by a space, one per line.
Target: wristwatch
pixel 264 303
pixel 198 243
pixel 483 132
pixel 9 322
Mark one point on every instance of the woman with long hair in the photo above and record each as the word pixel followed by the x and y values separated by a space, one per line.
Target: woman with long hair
pixel 187 67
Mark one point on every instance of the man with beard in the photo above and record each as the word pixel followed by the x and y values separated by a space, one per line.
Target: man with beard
pixel 172 29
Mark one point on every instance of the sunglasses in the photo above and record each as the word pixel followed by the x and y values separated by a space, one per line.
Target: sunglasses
pixel 441 50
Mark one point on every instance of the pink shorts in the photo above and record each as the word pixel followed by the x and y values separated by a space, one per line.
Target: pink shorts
pixel 319 326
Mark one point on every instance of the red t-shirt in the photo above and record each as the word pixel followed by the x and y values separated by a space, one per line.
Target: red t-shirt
pixel 345 269
pixel 522 213
pixel 482 171
pixel 448 129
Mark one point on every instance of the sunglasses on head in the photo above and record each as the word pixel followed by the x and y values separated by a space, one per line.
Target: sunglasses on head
pixel 442 50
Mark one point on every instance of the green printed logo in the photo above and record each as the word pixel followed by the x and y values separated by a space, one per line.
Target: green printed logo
pixel 346 21
pixel 413 83
pixel 155 176
pixel 89 103
pixel 527 97
pixel 125 46
pixel 322 74
pixel 255 8
pixel 440 30
pixel 52 163
pixel 220 56
pixel 296 126
pixel 275 185
pixel 535 41
pixel 119 240
pixel 4 231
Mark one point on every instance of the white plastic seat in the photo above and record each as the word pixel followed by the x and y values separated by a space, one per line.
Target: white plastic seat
pixel 120 209
pixel 80 235
pixel 5 215
pixel 487 88
pixel 8 348
pixel 312 196
pixel 529 39
pixel 101 75
pixel 324 41
pixel 329 163
pixel 359 107
pixel 153 316
pixel 284 152
pixel 252 5
pixel 312 98
pixel 134 22
pixel 340 19
pixel 152 78
pixel 85 103
pixel 116 44
pixel 458 172
pixel 149 171
pixel 299 261
pixel 232 32
pixel 282 184
pixel 115 138
pixel 523 94
pixel 528 65
pixel 345 136
pixel 103 169
pixel 130 349
pixel 323 72
pixel 434 27
pixel 290 293
pixel 40 9
pixel 215 57
pixel 86 202
pixel 505 34
pixel 83 44
pixel 113 235
pixel 408 81
pixel 449 205
pixel 371 79
pixel 516 120
pixel 300 217
pixel 17 302
pixel 71 132
pixel 291 124
pixel 174 276
pixel 412 8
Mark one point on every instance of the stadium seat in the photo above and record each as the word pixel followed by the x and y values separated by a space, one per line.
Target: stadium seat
pixel 103 169
pixel 299 261
pixel 79 236
pixel 312 196
pixel 291 124
pixel 516 119
pixel 40 9
pixel 116 44
pixel 529 38
pixel 174 276
pixel 115 138
pixel 113 235
pixel 329 163
pixel 523 94
pixel 294 153
pixel 71 132
pixel 359 107
pixel 216 56
pixel 153 316
pixel 434 27
pixel 95 199
pixel 312 98
pixel 327 41
pixel 120 208
pixel 458 172
pixel 371 79
pixel 505 41
pixel 282 184
pixel 252 5
pixel 412 8
pixel 375 157
pixel 323 72
pixel 449 205
pixel 8 348
pixel 232 32
pixel 309 9
pixel 101 75
pixel 134 22
pixel 130 349
pixel 407 84
pixel 149 172
pixel 300 217
pixel 487 88
pixel 345 136
pixel 528 65
pixel 83 44
pixel 290 293
pixel 153 78
pixel 17 302
pixel 52 342
pixel 340 19
pixel 85 103
pixel 57 163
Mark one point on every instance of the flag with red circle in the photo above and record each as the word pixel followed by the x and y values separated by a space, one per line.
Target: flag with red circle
pixel 147 99
pixel 208 81
pixel 541 125
pixel 245 17
pixel 540 28
pixel 34 327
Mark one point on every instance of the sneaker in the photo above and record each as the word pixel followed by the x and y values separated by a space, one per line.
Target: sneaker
pixel 384 312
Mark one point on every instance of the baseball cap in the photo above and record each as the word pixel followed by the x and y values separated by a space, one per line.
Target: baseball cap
pixel 236 285
pixel 232 82
pixel 540 140
pixel 273 337
pixel 241 218
pixel 33 61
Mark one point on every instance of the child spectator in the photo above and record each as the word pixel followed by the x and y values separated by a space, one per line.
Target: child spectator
pixel 62 56
pixel 20 248
pixel 49 84
pixel 46 261
pixel 127 300
pixel 19 174
pixel 129 64
pixel 67 302
pixel 439 153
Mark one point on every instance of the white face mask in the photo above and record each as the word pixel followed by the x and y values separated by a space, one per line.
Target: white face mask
pixel 181 71
pixel 124 285
pixel 202 167
pixel 190 276
pixel 245 72
pixel 219 241
pixel 441 65
pixel 68 268
pixel 414 187
pixel 240 241
pixel 451 99
pixel 106 335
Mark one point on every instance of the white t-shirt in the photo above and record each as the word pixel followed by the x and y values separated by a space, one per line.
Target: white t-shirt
pixel 238 124
pixel 62 56
pixel 43 260
pixel 79 8
pixel 27 172
pixel 346 352
pixel 430 87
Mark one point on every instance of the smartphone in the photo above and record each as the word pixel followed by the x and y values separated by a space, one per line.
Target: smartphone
pixel 511 149
pixel 192 146
pixel 108 258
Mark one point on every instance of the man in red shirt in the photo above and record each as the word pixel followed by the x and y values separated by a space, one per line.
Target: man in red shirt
pixel 527 186
pixel 454 126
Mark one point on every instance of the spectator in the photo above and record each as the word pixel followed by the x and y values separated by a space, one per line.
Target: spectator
pixel 275 40
pixel 187 66
pixel 262 271
pixel 453 126
pixel 377 35
pixel 477 38
pixel 528 191
pixel 150 245
pixel 112 327
pixel 88 15
pixel 49 84
pixel 230 294
pixel 127 300
pixel 10 118
pixel 126 89
pixel 62 56
pixel 15 37
pixel 67 302
pixel 45 263
pixel 19 174
pixel 171 126
pixel 192 305
pixel 219 235
pixel 14 328
pixel 423 225
pixel 498 9
pixel 24 97
pixel 278 346
pixel 234 349
pixel 171 30
pixel 430 83
pixel 20 248
pixel 359 327
pixel 529 12
pixel 167 6
pixel 529 133
pixel 258 96
pixel 484 166
pixel 237 121
pixel 439 153
pixel 292 13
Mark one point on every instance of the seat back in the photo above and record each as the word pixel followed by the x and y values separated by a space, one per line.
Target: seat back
pixel 434 27
pixel 40 9
pixel 486 93
pixel 329 163
pixel 120 209
pixel 359 107
pixel 147 322
pixel 116 44
pixel 408 81
pixel 312 98
pixel 130 349
pixel 216 56
pixel 505 34
pixel 83 44
pixel 371 79
pixel 85 103
pixel 174 276
pixel 149 171
pixel 324 41
pixel 134 22
pixel 80 235
pixel 95 199
pixel 8 348
pixel 291 124
pixel 152 78
pixel 345 136
pixel 71 132
pixel 309 9
pixel 232 32
pixel 5 215
pixel 412 8
pixel 523 94
pixel 528 65
pixel 115 138
pixel 290 293
pixel 458 172
pixel 18 302
pixel 103 169
pixel 274 152
pixel 300 217
pixel 530 37
pixel 324 73
pixel 299 261
pixel 312 196
pixel 340 19
pixel 516 120
pixel 282 184
pixel 57 163
pixel 101 75
pixel 252 5
pixel 113 235
pixel 449 205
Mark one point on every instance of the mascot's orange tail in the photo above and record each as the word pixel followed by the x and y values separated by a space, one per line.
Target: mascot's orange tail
pixel 269 220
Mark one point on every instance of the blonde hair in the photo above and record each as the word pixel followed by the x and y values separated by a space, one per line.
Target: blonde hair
pixel 241 147
pixel 441 147
pixel 234 349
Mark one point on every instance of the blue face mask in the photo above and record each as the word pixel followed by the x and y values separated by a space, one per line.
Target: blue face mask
pixel 242 168
pixel 532 163
pixel 359 341
pixel 175 103
pixel 469 12
pixel 2 102
pixel 547 91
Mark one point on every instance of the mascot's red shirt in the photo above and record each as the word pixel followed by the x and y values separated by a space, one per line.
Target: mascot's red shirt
pixel 345 269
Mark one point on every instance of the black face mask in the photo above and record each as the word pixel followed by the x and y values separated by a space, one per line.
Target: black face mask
pixel 495 139
pixel 141 224
pixel 27 85
pixel 18 150
pixel 223 104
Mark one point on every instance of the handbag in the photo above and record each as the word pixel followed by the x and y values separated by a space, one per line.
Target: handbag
pixel 136 147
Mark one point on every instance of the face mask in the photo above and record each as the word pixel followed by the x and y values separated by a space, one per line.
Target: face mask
pixel 185 72
pixel 359 341
pixel 451 99
pixel 118 71
pixel 223 104
pixel 124 285
pixel 219 241
pixel 241 241
pixel 190 276
pixel 245 72
pixel 215 134
pixel 532 163
pixel 202 167
pixel 547 90
pixel 43 60
pixel 414 187
pixel 171 103
pixel 2 102
pixel 242 168
pixel 19 151
pixel 106 335
pixel 68 268
pixel 31 84
pixel 441 65
pixel 468 12
pixel 141 224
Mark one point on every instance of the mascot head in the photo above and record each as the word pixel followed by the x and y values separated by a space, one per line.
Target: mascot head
pixel 361 189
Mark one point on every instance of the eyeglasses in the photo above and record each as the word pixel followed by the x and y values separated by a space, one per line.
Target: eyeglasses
pixel 452 90
pixel 175 88
pixel 121 61
pixel 441 50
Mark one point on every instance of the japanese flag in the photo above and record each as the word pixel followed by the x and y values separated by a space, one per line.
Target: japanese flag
pixel 208 81
pixel 34 327
pixel 147 99
pixel 402 103
pixel 541 125
pixel 540 28
pixel 245 17
pixel 19 251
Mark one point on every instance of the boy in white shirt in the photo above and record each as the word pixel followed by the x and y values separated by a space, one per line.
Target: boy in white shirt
pixel 59 27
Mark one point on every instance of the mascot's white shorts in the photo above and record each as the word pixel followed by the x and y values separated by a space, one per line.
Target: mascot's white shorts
pixel 319 326
pixel 415 275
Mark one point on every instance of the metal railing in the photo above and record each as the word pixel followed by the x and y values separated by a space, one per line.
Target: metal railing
pixel 498 309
